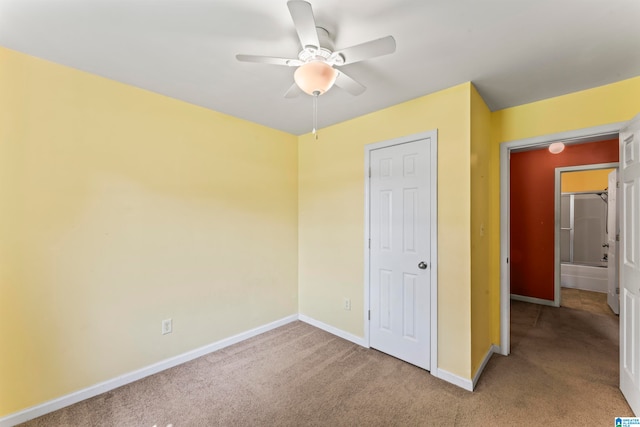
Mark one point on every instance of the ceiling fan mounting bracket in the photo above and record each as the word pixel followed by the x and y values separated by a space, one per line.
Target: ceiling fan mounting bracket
pixel 320 54
pixel 323 52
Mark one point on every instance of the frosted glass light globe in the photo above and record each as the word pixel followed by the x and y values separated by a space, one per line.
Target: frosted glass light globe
pixel 556 148
pixel 315 76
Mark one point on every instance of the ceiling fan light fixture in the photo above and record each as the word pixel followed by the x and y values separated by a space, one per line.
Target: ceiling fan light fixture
pixel 315 76
pixel 556 148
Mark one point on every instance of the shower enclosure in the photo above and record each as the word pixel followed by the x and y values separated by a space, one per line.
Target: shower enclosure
pixel 583 241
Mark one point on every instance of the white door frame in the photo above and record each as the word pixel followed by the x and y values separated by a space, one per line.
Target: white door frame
pixel 613 235
pixel 574 136
pixel 433 265
pixel 556 225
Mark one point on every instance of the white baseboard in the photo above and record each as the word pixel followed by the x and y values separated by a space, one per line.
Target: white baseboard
pixel 465 383
pixel 80 395
pixel 533 300
pixel 493 349
pixel 439 373
pixel 500 349
pixel 333 330
pixel 94 390
pixel 454 379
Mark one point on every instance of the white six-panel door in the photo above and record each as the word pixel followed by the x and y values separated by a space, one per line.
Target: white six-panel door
pixel 629 193
pixel 400 251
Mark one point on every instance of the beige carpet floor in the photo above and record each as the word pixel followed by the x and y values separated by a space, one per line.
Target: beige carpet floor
pixel 595 302
pixel 563 371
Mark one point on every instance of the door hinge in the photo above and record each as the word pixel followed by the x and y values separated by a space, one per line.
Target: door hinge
pixel 617 184
pixel 369 243
pixel 617 291
pixel 369 314
pixel 617 237
pixel 507 260
pixel 369 172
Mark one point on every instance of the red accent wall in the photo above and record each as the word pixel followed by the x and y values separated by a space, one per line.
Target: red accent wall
pixel 532 211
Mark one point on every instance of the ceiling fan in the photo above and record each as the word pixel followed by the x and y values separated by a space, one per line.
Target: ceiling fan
pixel 316 72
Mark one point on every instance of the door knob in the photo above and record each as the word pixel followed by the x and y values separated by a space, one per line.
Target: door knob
pixel 422 265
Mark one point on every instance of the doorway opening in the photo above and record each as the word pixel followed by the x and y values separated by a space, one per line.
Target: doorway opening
pixel 628 134
pixel 585 223
pixel 581 136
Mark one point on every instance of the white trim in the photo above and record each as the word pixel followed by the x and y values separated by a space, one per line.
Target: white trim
pixel 493 349
pixel 573 136
pixel 96 389
pixel 367 243
pixel 534 300
pixel 432 135
pixel 505 250
pixel 578 136
pixel 465 383
pixel 454 379
pixel 556 226
pixel 434 249
pixel 334 331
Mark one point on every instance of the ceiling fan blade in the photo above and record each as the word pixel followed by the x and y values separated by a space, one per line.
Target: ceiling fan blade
pixel 305 23
pixel 345 82
pixel 293 91
pixel 370 49
pixel 269 60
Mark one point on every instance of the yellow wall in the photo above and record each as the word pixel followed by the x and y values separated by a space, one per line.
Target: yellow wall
pixel 331 216
pixel 602 105
pixel 120 208
pixel 613 103
pixel 590 180
pixel 481 295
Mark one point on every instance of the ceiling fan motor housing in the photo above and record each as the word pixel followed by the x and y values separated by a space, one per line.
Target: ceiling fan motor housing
pixel 320 54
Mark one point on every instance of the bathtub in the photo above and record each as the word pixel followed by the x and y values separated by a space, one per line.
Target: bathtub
pixel 589 277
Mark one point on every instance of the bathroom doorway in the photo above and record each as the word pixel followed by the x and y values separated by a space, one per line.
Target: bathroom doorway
pixel 582 232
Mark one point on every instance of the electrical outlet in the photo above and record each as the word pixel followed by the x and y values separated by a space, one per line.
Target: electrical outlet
pixel 346 304
pixel 167 326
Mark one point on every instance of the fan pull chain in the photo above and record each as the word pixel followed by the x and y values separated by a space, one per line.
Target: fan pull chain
pixel 316 94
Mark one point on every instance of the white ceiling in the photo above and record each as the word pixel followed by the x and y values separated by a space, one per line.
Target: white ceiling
pixel 514 51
